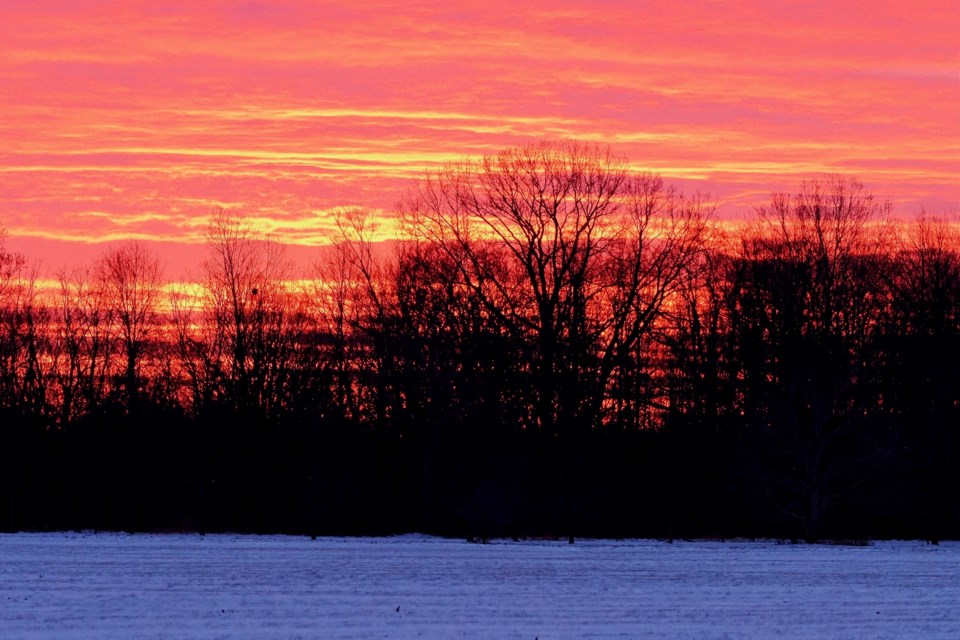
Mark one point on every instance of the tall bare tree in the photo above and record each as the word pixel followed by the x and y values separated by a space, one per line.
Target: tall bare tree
pixel 919 376
pixel 26 368
pixel 570 252
pixel 259 320
pixel 807 299
pixel 84 349
pixel 131 278
pixel 351 299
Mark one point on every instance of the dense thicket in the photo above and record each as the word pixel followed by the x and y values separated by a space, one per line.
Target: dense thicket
pixel 555 346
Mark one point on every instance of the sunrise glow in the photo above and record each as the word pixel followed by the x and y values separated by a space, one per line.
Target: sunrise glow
pixel 135 119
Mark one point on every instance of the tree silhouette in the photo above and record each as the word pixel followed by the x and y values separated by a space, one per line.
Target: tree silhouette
pixel 85 351
pixel 569 253
pixel 571 256
pixel 552 344
pixel 130 278
pixel 919 379
pixel 806 306
pixel 257 321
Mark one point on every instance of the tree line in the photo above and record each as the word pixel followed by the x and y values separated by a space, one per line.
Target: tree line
pixel 555 345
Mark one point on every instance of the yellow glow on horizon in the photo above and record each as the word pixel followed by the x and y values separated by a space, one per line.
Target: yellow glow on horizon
pixel 136 119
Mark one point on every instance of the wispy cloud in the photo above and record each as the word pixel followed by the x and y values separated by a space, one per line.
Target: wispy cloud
pixel 139 118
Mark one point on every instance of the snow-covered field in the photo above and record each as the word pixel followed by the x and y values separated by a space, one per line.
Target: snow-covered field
pixel 229 586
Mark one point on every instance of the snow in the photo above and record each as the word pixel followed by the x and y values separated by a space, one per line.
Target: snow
pixel 76 585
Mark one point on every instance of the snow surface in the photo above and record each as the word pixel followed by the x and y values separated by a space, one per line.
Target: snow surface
pixel 231 586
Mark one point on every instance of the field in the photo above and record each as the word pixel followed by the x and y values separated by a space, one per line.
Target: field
pixel 80 585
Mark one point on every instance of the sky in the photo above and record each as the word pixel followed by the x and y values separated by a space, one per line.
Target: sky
pixel 138 118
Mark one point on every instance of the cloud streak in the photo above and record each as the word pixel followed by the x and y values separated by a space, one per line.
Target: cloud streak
pixel 138 118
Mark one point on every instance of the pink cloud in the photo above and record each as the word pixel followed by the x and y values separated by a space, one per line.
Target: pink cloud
pixel 150 113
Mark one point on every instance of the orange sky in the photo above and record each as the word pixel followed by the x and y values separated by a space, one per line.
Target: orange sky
pixel 135 118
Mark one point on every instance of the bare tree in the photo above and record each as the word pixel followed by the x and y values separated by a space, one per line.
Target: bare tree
pixel 569 251
pixel 351 300
pixel 807 300
pixel 196 363
pixel 258 319
pixel 131 278
pixel 84 351
pixel 919 376
pixel 11 264
pixel 926 277
pixel 25 367
pixel 696 334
